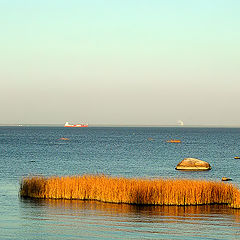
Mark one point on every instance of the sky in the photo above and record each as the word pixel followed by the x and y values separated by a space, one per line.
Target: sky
pixel 120 62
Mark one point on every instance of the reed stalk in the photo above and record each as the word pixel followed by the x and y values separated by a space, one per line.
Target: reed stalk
pixel 131 190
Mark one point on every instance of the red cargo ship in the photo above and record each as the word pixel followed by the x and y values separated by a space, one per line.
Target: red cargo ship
pixel 76 125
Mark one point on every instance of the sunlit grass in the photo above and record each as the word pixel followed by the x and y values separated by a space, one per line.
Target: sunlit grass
pixel 131 191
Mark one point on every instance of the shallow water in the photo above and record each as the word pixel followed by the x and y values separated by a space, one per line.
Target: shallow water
pixel 118 152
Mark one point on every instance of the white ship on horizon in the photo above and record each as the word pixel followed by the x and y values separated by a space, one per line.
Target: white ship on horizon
pixel 180 123
pixel 75 125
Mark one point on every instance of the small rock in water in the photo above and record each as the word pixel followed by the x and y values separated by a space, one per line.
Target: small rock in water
pixel 193 164
pixel 173 141
pixel 150 139
pixel 65 139
pixel 226 179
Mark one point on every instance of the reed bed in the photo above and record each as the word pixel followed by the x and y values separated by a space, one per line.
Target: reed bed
pixel 131 190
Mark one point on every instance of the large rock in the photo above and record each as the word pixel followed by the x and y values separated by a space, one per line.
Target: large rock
pixel 193 164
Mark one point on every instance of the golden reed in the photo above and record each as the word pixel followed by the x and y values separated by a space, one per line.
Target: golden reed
pixel 131 191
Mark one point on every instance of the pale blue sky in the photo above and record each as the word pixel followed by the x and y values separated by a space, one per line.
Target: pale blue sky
pixel 120 62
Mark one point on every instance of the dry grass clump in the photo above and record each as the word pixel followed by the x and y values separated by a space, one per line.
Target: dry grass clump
pixel 131 191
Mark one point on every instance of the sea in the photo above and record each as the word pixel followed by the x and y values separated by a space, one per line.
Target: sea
pixel 132 152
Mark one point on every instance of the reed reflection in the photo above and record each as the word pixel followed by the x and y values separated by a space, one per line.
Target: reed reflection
pixel 98 220
pixel 78 207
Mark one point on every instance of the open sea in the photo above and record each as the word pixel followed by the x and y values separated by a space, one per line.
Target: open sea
pixel 114 151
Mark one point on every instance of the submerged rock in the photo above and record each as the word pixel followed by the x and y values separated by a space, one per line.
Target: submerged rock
pixel 193 164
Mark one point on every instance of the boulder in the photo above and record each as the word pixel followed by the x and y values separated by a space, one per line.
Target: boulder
pixel 193 164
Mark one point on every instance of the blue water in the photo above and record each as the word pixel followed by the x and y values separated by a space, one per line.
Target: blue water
pixel 122 151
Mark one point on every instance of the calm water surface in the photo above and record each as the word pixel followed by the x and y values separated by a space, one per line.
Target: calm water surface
pixel 117 152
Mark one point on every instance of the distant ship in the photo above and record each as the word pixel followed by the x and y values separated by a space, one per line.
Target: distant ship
pixel 180 122
pixel 76 125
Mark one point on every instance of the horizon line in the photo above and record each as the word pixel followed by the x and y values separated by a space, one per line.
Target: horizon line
pixel 122 125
